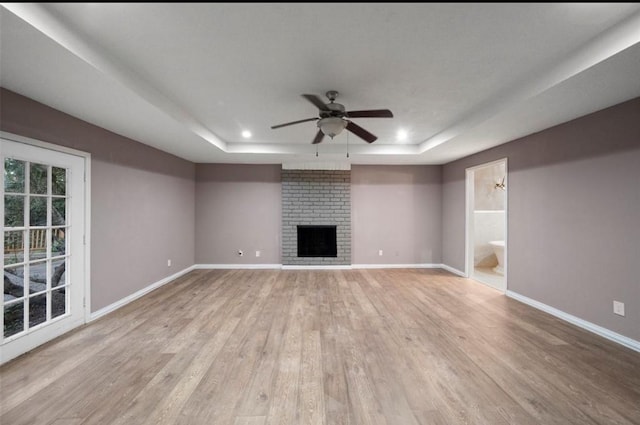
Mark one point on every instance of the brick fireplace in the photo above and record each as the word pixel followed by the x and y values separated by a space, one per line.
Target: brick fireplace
pixel 320 198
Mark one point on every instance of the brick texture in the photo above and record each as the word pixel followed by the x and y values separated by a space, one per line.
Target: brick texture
pixel 316 197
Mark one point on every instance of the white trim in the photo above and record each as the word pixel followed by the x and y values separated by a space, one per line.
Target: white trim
pixel 505 266
pixel 87 200
pixel 46 145
pixel 396 266
pixel 452 270
pixel 55 329
pixel 591 327
pixel 487 164
pixel 236 266
pixel 469 226
pixel 126 300
pixel 327 267
pixel 469 215
pixel 87 238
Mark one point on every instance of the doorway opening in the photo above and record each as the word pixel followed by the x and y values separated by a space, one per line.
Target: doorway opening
pixel 486 224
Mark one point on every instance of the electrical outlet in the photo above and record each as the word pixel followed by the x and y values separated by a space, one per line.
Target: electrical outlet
pixel 257 253
pixel 380 252
pixel 168 263
pixel 618 308
pixel 240 253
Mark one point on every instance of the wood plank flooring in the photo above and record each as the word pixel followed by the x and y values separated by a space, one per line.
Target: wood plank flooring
pixel 267 347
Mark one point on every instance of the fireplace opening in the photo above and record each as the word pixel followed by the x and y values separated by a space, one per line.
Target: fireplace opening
pixel 317 241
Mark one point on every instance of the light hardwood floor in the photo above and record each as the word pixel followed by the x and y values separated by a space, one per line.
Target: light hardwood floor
pixel 263 347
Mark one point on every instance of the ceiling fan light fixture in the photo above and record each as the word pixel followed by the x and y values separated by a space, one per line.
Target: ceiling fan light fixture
pixel 334 118
pixel 332 126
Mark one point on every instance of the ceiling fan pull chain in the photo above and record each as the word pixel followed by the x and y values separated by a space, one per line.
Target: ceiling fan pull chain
pixel 316 150
pixel 347 145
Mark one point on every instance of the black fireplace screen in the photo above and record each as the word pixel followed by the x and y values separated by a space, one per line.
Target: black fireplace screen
pixel 317 241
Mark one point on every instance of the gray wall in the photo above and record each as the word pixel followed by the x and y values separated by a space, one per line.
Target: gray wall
pixel 396 209
pixel 237 208
pixel 407 221
pixel 573 215
pixel 142 210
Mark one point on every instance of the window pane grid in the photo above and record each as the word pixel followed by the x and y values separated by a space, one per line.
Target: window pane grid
pixel 35 243
pixel 14 300
pixel 35 294
pixel 24 263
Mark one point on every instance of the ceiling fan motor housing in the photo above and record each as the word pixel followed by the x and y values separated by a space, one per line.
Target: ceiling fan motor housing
pixel 333 110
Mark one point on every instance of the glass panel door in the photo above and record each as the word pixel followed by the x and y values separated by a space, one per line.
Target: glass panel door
pixel 43 252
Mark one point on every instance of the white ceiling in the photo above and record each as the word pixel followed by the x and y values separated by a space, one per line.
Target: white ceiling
pixel 187 78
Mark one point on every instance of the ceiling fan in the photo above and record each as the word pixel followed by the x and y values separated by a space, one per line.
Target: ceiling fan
pixel 333 118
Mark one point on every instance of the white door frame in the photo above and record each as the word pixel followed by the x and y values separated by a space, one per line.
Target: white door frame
pixel 6 355
pixel 469 218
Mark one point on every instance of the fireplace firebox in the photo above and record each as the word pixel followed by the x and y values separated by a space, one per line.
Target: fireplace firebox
pixel 317 241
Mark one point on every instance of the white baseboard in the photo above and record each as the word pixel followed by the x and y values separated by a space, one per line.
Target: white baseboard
pixel 236 266
pixel 591 327
pixel 327 267
pixel 396 266
pixel 364 266
pixel 452 270
pixel 126 300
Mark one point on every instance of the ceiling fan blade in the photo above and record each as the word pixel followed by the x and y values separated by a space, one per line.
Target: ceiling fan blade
pixel 316 101
pixel 361 132
pixel 293 122
pixel 318 138
pixel 374 113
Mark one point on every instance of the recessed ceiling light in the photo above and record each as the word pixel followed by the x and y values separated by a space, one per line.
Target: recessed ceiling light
pixel 402 135
pixel 246 134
